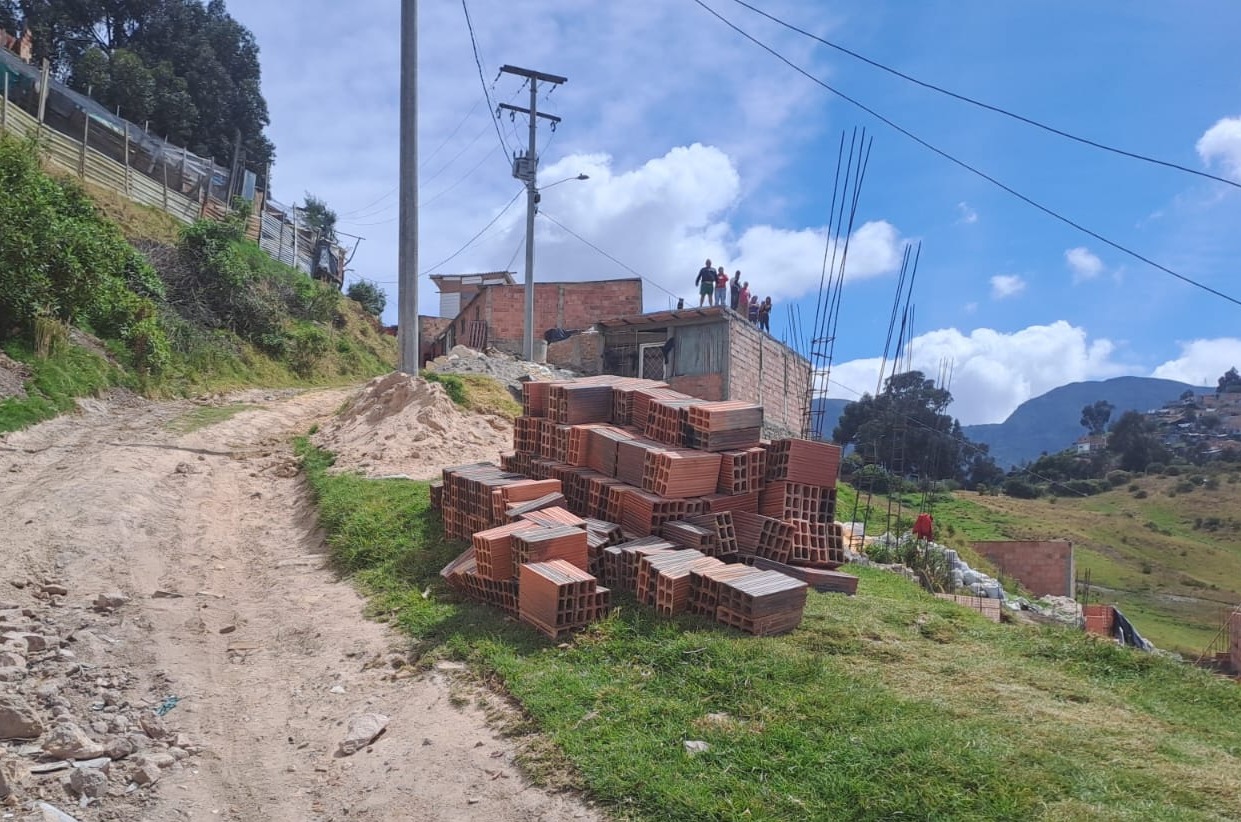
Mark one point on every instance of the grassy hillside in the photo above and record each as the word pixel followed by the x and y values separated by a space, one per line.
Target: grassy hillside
pixel 165 309
pixel 887 705
pixel 1169 557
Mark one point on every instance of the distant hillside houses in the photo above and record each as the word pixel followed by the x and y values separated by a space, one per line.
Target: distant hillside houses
pixel 1201 426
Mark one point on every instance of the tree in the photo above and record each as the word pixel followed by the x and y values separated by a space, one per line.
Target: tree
pixel 370 296
pixel 1230 383
pixel 1135 442
pixel 905 430
pixel 319 217
pixel 188 69
pixel 1095 417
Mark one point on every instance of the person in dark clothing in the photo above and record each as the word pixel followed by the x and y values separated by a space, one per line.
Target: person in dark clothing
pixel 706 284
pixel 764 315
pixel 735 289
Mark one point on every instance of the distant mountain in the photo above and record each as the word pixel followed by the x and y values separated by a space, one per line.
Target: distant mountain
pixel 832 409
pixel 1051 422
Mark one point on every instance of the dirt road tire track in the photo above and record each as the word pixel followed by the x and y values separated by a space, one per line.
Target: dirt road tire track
pixel 112 499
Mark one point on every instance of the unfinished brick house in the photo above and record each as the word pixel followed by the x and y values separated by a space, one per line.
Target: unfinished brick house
pixel 494 315
pixel 710 353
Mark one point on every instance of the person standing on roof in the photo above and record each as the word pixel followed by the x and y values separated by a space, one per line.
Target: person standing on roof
pixel 753 314
pixel 706 283
pixel 764 315
pixel 734 287
pixel 721 288
pixel 743 299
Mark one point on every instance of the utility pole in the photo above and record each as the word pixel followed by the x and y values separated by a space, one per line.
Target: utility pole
pixel 407 261
pixel 526 169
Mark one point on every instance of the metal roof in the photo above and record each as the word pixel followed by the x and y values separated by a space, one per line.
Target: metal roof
pixel 660 317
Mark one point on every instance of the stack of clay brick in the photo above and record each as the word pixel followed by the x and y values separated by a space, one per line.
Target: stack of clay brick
pixel 624 484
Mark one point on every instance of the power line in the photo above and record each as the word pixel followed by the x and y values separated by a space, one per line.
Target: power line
pixel 1133 155
pixel 582 239
pixel 482 80
pixel 473 239
pixel 961 163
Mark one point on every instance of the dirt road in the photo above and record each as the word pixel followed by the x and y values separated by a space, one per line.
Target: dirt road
pixel 259 655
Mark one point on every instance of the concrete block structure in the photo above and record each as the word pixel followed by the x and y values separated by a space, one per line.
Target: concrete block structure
pixel 712 353
pixel 1044 567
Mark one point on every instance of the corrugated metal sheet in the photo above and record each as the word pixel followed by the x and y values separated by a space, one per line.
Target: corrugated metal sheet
pixel 450 304
pixel 699 349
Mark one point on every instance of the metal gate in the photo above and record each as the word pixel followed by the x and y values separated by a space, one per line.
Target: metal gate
pixel 651 361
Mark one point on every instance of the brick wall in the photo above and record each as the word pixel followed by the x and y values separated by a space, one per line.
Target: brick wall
pixel 572 306
pixel 428 329
pixel 1043 567
pixel 702 386
pixel 1099 619
pixel 582 353
pixel 762 370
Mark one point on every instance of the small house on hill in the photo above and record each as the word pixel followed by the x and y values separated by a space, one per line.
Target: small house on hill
pixel 711 352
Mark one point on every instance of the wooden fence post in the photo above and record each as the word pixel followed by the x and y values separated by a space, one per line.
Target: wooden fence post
pixel 85 140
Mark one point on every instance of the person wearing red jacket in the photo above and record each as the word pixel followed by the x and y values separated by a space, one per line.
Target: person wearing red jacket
pixel 923 526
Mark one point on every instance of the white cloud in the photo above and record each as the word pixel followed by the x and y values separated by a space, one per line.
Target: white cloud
pixel 994 372
pixel 1221 145
pixel 1084 264
pixel 1004 286
pixel 663 217
pixel 643 77
pixel 1202 362
pixel 968 215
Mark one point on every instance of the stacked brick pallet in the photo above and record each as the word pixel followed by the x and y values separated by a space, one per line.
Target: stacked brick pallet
pixel 630 484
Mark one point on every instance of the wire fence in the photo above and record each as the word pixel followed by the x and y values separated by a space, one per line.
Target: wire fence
pixel 81 137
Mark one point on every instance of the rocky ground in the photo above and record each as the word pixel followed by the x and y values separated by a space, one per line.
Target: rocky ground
pixel 504 367
pixel 174 646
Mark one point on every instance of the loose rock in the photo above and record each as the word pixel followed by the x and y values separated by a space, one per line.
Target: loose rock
pixel 110 601
pixel 88 782
pixel 145 774
pixel 68 741
pixel 10 775
pixel 17 719
pixel 361 732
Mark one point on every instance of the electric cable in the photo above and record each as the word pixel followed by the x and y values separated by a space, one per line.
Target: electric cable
pixel 964 98
pixel 495 120
pixel 582 239
pixel 474 239
pixel 962 164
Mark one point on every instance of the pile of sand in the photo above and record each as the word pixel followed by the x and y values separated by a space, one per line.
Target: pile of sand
pixel 403 425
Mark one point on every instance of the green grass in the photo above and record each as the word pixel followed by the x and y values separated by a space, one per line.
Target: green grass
pixel 1171 577
pixel 887 705
pixel 67 373
pixel 207 415
pixel 478 393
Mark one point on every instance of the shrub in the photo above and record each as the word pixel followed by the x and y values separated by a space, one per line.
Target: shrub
pixel 1140 495
pixel 1184 487
pixel 1020 489
pixel 1118 478
pixel 369 295
pixel 1156 468
pixel 1133 486
pixel 307 345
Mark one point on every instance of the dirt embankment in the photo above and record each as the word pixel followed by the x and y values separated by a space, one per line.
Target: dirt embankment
pixel 406 426
pixel 220 614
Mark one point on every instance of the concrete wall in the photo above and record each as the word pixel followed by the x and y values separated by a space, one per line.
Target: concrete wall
pixel 582 353
pixel 764 371
pixel 1043 567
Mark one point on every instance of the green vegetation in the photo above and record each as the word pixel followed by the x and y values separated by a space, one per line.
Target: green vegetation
pixel 217 314
pixel 887 705
pixel 186 67
pixel 368 295
pixel 478 393
pixel 65 373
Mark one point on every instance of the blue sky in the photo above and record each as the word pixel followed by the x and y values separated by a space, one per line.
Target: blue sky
pixel 699 144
